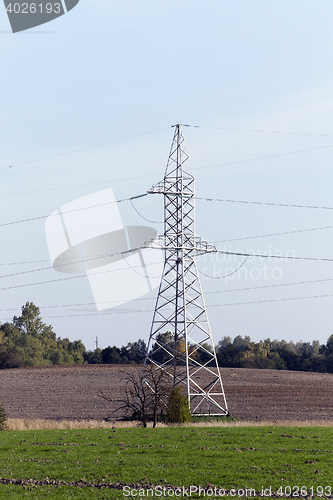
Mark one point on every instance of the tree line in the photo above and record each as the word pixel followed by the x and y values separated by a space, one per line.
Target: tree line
pixel 240 352
pixel 28 341
pixel 276 354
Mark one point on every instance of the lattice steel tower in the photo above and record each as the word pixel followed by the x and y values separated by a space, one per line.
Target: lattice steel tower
pixel 180 340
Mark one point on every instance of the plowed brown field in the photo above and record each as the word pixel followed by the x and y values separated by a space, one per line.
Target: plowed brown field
pixel 71 392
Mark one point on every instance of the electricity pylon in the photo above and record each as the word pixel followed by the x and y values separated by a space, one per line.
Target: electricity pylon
pixel 180 341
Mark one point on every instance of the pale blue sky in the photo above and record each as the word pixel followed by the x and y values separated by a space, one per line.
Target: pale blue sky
pixel 111 70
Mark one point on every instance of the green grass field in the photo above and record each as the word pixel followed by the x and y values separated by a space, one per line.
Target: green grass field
pixel 95 460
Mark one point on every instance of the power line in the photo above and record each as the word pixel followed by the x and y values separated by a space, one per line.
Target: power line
pixel 273 300
pixel 70 211
pixel 159 130
pixel 31 219
pixel 287 257
pixel 144 218
pixel 212 305
pixel 129 311
pixel 227 275
pixel 247 255
pixel 233 129
pixel 276 285
pixel 225 200
pixel 230 290
pixel 276 155
pixel 274 234
pixel 79 185
pixel 74 277
pixel 154 175
pixel 218 241
pixel 85 149
pixel 83 260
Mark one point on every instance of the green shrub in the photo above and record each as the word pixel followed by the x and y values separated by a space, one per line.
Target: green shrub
pixel 3 418
pixel 178 409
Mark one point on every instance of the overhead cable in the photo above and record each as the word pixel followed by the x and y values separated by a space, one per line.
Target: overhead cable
pixel 83 260
pixel 273 300
pixel 131 311
pixel 217 241
pixel 269 256
pixel 77 276
pixel 154 175
pixel 70 211
pixel 233 129
pixel 85 149
pixel 225 200
pixel 274 234
pixel 79 185
pixel 229 290
pixel 142 217
pixel 227 275
pixel 247 255
pixel 276 155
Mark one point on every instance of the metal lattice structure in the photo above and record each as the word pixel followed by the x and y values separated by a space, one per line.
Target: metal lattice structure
pixel 180 341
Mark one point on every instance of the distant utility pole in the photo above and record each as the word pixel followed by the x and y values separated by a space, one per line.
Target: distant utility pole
pixel 96 343
pixel 180 341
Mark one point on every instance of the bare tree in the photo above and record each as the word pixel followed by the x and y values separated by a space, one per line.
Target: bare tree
pixel 157 384
pixel 143 398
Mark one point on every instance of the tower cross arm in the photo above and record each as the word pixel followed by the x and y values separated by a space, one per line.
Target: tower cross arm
pixel 158 188
pixel 203 246
pixel 199 245
pixel 170 189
